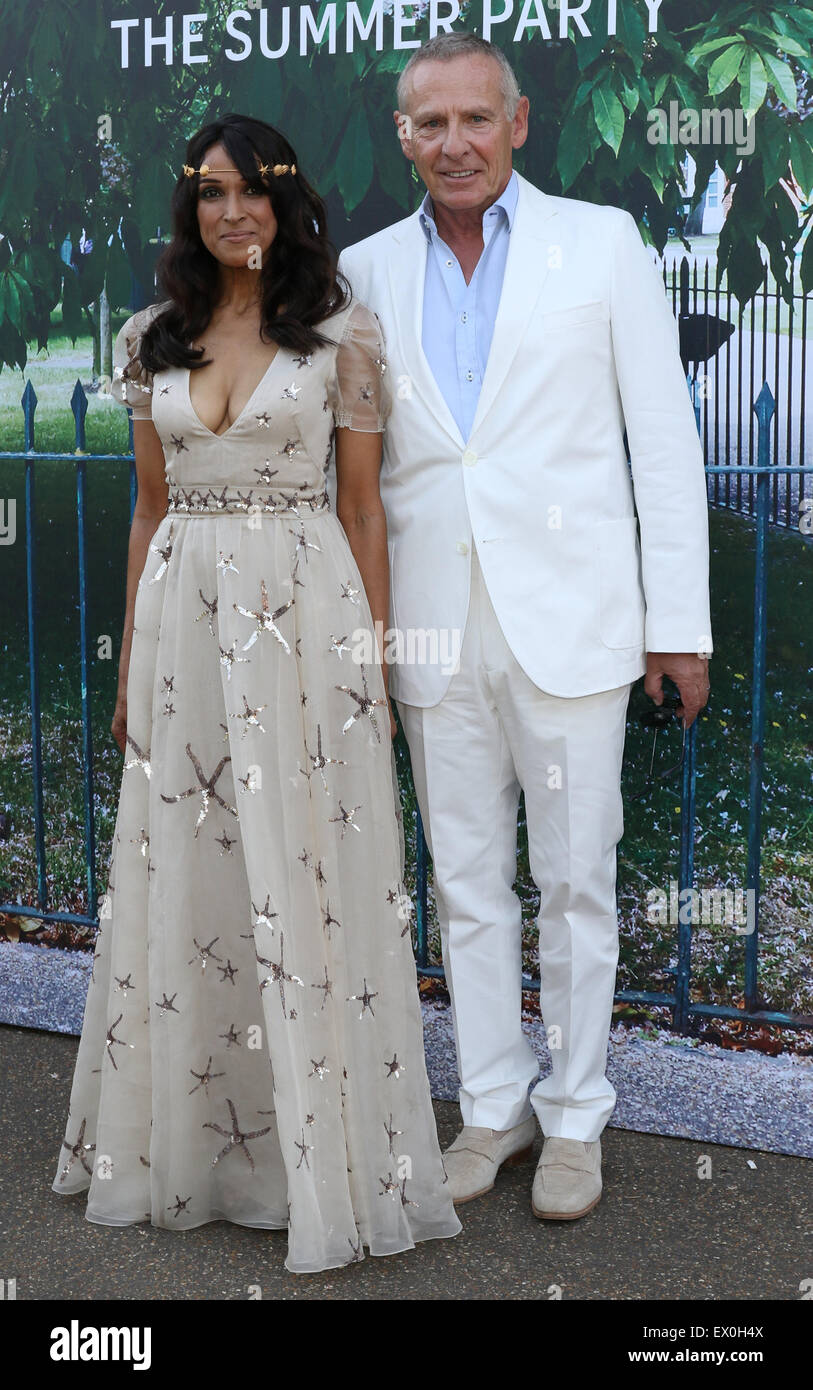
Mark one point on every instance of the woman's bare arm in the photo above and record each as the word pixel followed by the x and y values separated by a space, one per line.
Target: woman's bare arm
pixel 150 509
pixel 361 512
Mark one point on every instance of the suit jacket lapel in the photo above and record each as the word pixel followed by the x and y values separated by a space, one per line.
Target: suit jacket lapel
pixel 407 274
pixel 527 267
pixel 521 289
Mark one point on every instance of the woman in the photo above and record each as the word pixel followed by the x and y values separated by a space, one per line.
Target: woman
pixel 252 1047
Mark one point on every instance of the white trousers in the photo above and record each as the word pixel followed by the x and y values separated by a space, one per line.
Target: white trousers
pixel 493 733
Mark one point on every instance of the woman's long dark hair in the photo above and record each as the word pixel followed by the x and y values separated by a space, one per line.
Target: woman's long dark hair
pixel 300 271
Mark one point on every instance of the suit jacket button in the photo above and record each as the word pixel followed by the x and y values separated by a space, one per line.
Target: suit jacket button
pixel 462 548
pixel 469 458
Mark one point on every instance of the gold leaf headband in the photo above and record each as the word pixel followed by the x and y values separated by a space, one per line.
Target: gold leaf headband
pixel 205 169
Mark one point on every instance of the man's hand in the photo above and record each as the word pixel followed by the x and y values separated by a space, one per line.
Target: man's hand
pixel 690 673
pixel 393 725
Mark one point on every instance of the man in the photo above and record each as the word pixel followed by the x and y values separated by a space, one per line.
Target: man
pixel 524 334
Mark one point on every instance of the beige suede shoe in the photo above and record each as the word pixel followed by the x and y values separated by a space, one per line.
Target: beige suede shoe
pixel 567 1182
pixel 474 1158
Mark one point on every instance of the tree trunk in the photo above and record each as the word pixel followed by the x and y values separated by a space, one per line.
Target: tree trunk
pixel 105 342
pixel 91 312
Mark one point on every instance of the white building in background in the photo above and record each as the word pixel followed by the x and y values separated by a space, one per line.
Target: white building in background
pixel 712 211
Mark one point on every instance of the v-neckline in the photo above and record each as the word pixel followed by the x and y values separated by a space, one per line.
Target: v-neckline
pixel 236 421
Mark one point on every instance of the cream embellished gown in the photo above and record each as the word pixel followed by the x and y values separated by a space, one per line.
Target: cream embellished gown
pixel 252 1044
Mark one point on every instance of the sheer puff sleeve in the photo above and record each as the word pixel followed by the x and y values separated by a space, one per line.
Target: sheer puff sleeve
pixel 132 384
pixel 359 393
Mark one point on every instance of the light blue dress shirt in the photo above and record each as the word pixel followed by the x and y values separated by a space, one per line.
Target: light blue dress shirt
pixel 458 319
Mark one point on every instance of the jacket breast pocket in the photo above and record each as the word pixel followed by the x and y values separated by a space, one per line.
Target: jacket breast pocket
pixel 579 314
pixel 622 609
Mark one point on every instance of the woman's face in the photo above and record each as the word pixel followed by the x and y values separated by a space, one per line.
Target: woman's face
pixel 237 224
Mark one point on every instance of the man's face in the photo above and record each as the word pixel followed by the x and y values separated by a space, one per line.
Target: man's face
pixel 456 132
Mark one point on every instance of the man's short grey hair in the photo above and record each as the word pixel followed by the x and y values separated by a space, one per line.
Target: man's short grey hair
pixel 459 44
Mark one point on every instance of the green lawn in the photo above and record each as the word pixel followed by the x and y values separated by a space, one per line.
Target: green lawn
pixel 648 852
pixel 704 251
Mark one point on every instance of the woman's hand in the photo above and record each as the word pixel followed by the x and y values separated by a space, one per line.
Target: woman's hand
pixel 118 726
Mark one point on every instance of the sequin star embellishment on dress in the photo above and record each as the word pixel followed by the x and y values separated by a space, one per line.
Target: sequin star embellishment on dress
pixel 304 1149
pixel 345 818
pixel 204 1077
pixel 303 545
pixel 320 760
pixel 209 610
pixel 205 953
pixel 205 790
pixel 228 657
pixel 391 1133
pixel 77 1150
pixel 141 759
pixel 165 552
pixel 111 1039
pixel 249 716
pixel 366 1000
pixel 266 473
pixel 143 843
pixel 326 986
pixel 329 921
pixel 366 704
pixel 235 1137
pixel 278 973
pixel 263 915
pixel 266 620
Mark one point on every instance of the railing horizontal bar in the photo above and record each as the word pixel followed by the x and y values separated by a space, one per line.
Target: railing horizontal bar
pixel 434 972
pixel 47 915
pixel 77 454
pixel 643 996
pixel 755 468
pixel 751 1016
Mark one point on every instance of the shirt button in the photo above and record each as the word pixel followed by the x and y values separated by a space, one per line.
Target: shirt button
pixel 450 262
pixel 470 376
pixel 462 548
pixel 464 318
pixel 470 458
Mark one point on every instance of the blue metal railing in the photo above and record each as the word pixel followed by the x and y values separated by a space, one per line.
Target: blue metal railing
pixel 683 1010
pixel 81 458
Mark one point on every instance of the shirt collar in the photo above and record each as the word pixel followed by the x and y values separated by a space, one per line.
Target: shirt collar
pixel 507 201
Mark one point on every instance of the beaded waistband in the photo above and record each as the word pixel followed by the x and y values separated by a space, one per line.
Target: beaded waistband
pixel 208 502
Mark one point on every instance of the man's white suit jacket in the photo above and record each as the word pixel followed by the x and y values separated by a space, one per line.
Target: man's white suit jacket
pixel 584 344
